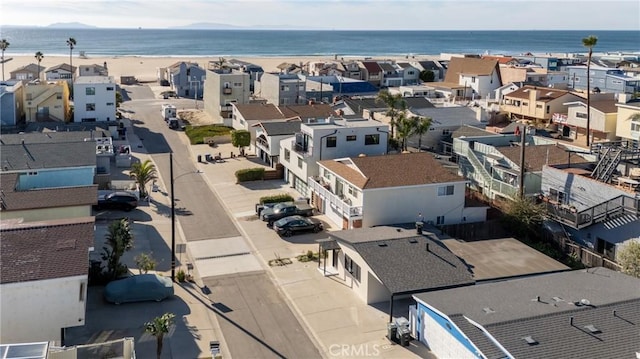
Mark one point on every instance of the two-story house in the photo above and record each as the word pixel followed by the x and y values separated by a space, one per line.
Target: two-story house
pixel 602 79
pixel 481 76
pixel 537 103
pixel 282 88
pixel 604 115
pixel 409 73
pixel 628 121
pixel 47 101
pixel 428 65
pixel 390 75
pixel 45 276
pixel 93 70
pixel 269 135
pixel 254 71
pixel 11 107
pixel 61 72
pixel 368 191
pixel 223 87
pixel 327 139
pixel 187 79
pixel 94 99
pixel 492 163
pixel 445 120
pixel 372 72
pixel 28 72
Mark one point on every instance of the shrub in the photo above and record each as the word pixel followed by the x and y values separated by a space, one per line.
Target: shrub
pixel 276 198
pixel 181 275
pixel 250 174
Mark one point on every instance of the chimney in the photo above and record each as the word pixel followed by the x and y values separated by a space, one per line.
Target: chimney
pixel 537 298
pixel 427 247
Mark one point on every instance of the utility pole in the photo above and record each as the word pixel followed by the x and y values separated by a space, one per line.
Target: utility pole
pixel 173 221
pixel 521 177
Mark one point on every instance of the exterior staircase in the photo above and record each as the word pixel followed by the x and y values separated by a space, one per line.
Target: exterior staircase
pixel 616 211
pixel 607 164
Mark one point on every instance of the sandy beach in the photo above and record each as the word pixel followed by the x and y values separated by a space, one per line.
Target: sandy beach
pixel 145 69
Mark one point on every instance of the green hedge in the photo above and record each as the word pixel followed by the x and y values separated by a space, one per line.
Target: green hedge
pixel 250 174
pixel 276 198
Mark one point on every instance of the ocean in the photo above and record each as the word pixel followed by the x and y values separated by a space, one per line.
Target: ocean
pixel 291 43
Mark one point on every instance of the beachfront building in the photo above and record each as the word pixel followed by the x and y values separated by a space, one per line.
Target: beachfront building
pixel 282 88
pixel 61 72
pixel 481 76
pixel 186 79
pixel 93 70
pixel 628 121
pixel 254 71
pixel 94 99
pixel 603 79
pixel 372 72
pixel 537 103
pixel 572 314
pixel 367 191
pixel 430 65
pixel 326 88
pixel 11 107
pixel 328 138
pixel 223 87
pixel 409 73
pixel 47 101
pixel 28 72
pixel 602 127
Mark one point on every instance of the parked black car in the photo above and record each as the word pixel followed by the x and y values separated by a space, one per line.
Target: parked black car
pixel 117 200
pixel 296 224
pixel 281 210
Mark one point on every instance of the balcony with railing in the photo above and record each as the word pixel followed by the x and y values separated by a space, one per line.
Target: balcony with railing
pixel 331 198
pixel 615 207
pixel 263 143
pixel 301 148
pixel 487 178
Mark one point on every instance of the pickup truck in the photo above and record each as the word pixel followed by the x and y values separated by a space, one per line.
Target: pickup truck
pixel 286 209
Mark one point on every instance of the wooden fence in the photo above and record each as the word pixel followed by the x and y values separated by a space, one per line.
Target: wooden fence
pixel 587 256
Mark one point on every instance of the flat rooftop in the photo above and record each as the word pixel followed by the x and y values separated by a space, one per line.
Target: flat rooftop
pixel 502 258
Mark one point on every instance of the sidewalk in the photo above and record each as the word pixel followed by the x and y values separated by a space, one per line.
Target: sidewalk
pixel 331 312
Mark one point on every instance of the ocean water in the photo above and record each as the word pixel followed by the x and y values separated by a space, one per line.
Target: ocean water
pixel 165 42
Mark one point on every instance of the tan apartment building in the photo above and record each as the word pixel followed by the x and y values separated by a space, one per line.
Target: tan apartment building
pixel 47 102
pixel 537 103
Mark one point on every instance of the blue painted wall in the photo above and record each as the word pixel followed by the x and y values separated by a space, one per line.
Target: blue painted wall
pixel 7 109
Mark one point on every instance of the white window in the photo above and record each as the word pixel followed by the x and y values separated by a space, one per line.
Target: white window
pixel 445 190
pixel 300 162
pixel 287 154
pixel 89 91
pixel 353 191
pixel 327 174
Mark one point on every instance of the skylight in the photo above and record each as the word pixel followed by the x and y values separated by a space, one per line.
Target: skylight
pixel 529 339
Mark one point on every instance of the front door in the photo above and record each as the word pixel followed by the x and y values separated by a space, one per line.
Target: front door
pixel 334 258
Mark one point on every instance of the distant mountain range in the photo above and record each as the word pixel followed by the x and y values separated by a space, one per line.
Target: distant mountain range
pixel 218 26
pixel 70 25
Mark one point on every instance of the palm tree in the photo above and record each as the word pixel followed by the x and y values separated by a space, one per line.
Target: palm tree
pixel 158 327
pixel 405 126
pixel 71 42
pixel 3 46
pixel 119 239
pixel 143 173
pixel 589 42
pixel 394 104
pixel 39 57
pixel 422 126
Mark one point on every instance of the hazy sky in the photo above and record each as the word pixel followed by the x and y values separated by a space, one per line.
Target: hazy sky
pixel 333 14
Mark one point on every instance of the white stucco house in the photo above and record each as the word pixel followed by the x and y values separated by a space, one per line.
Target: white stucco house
pixel 383 190
pixel 44 275
pixel 482 76
pixel 94 99
pixel 383 263
pixel 329 138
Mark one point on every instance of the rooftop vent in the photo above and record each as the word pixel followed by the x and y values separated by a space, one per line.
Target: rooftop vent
pixel 382 244
pixel 488 310
pixel 530 340
pixel 558 299
pixel 592 329
pixel 413 240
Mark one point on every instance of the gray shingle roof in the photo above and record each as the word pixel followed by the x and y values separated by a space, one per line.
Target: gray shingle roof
pixel 279 128
pixel 45 250
pixel 400 259
pixel 46 137
pixel 516 312
pixel 47 155
pixel 471 131
pixel 357 105
pixel 13 200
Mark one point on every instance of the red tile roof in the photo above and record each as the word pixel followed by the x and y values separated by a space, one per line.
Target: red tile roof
pixel 408 169
pixel 372 67
pixel 45 250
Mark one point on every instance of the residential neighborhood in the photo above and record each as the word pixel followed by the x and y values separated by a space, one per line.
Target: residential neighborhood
pixel 451 206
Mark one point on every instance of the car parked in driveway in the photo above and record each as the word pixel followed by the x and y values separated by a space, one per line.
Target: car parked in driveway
pixel 117 200
pixel 291 225
pixel 139 288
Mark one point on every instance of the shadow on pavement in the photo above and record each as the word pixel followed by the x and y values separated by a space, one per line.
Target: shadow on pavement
pixel 154 142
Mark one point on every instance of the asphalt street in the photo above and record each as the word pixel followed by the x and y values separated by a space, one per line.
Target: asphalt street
pixel 254 317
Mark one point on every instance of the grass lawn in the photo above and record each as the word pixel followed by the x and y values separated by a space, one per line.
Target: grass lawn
pixel 197 133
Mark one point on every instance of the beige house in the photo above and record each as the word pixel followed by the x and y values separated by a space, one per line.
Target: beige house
pixel 628 121
pixel 537 103
pixel 222 88
pixel 27 72
pixel 46 102
pixel 604 115
pixel 480 76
